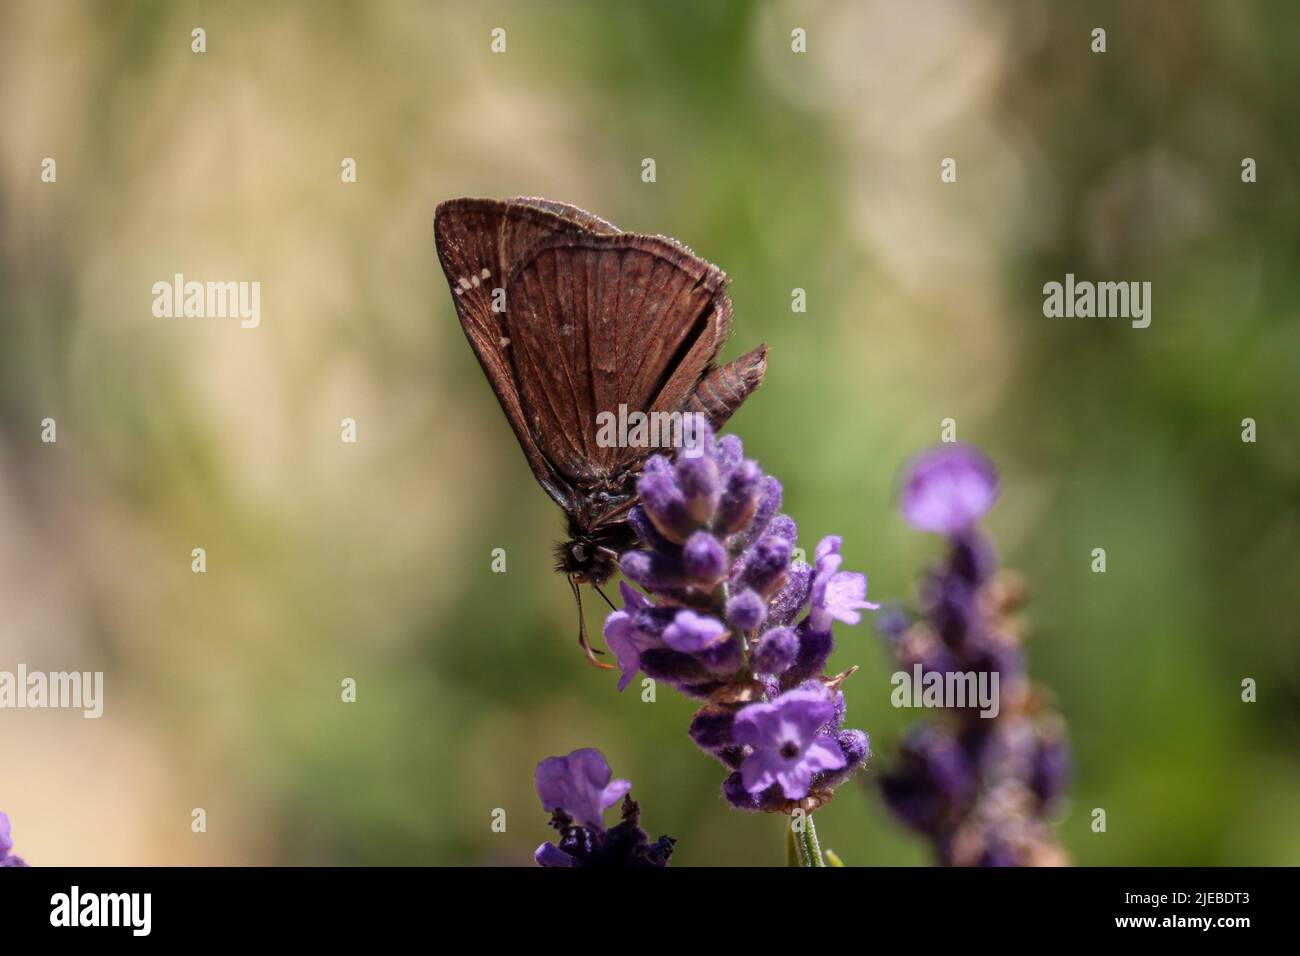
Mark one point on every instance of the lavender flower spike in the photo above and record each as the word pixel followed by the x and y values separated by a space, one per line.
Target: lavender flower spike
pixel 577 790
pixel 730 617
pixel 979 786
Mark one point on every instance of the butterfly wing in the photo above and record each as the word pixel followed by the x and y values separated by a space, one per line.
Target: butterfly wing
pixel 596 322
pixel 479 241
pixel 717 395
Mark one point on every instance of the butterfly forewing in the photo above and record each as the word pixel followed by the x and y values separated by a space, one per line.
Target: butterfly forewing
pixel 479 241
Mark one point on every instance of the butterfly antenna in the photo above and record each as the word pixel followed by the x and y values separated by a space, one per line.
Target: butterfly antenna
pixel 606 600
pixel 582 631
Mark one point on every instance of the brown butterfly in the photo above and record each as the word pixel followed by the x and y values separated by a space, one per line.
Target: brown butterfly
pixel 569 318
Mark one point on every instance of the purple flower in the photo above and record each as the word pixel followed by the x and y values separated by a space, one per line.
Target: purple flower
pixel 693 633
pixel 793 596
pixel 662 568
pixel 577 790
pixel 746 611
pixel 7 844
pixel 948 489
pixel 698 480
pixel 705 560
pixel 548 854
pixel 740 500
pixel 580 785
pixel 765 801
pixel 787 747
pixel 766 564
pixel 625 638
pixel 776 651
pixel 706 639
pixel 728 616
pixel 855 745
pixel 836 595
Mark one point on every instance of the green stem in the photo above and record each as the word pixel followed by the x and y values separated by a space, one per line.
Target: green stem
pixel 812 850
pixel 791 847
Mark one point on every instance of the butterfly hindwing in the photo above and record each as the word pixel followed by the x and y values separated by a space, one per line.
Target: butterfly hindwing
pixel 608 323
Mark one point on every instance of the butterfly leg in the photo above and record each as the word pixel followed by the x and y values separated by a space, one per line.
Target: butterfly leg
pixel 587 649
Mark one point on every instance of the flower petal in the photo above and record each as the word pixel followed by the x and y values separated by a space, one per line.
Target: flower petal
pixel 548 854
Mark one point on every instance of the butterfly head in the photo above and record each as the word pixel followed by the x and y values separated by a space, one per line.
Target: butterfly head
pixel 586 559
pixel 598 533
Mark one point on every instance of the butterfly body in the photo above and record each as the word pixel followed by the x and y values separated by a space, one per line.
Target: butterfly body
pixel 572 319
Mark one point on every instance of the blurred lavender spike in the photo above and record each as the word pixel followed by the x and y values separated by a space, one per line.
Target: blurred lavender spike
pixel 979 783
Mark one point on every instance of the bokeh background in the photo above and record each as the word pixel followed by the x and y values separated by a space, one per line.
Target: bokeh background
pixel 819 171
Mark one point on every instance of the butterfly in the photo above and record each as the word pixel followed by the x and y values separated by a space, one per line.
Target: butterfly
pixel 570 318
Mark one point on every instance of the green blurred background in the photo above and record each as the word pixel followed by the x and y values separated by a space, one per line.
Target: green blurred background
pixel 818 171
